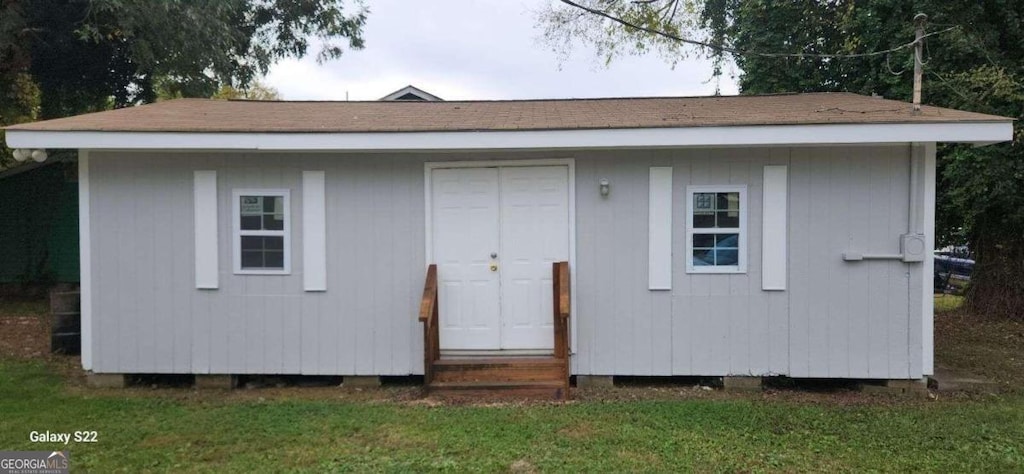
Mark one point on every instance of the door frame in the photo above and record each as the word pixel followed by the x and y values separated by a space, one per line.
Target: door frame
pixel 569 163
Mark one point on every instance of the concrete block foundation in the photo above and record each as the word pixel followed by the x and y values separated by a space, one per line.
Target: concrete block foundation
pixel 901 387
pixel 215 382
pixel 595 381
pixel 741 384
pixel 105 380
pixel 360 381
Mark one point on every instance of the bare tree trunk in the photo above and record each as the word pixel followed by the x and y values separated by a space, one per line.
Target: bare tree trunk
pixel 997 283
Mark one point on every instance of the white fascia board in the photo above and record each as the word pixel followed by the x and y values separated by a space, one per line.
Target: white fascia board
pixel 826 134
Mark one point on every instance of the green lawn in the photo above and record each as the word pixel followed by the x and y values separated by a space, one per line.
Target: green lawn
pixel 175 429
pixel 947 303
pixel 23 307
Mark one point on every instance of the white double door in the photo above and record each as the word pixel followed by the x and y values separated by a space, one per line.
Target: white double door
pixel 495 232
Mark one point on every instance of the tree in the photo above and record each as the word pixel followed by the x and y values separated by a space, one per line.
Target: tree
pixel 80 56
pixel 19 97
pixel 976 65
pixel 255 91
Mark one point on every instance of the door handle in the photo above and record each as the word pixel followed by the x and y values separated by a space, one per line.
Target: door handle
pixel 494 254
pixel 494 267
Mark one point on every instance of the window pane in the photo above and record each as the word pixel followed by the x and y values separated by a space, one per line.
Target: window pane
pixel 273 243
pixel 262 252
pixel 262 212
pixel 728 202
pixel 251 205
pixel 252 259
pixel 727 257
pixel 703 220
pixel 273 222
pixel 703 201
pixel 250 222
pixel 727 240
pixel 703 240
pixel 703 258
pixel 273 204
pixel 728 219
pixel 273 259
pixel 252 243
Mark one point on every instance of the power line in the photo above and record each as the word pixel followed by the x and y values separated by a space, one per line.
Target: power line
pixel 743 52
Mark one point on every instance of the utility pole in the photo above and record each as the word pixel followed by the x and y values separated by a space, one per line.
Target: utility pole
pixel 919 21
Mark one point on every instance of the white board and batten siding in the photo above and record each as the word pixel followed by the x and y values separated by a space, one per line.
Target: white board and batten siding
pixel 832 319
pixel 807 314
pixel 154 320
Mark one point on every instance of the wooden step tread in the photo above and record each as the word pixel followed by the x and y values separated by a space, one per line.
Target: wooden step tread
pixel 498 385
pixel 499 362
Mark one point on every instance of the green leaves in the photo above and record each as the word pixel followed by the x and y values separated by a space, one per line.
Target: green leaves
pixel 87 56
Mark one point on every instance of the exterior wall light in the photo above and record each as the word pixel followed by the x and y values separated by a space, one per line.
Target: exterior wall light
pixel 605 186
pixel 22 154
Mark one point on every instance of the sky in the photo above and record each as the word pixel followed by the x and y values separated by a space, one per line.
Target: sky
pixel 479 50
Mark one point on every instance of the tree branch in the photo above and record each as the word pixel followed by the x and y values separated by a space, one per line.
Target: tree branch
pixel 740 52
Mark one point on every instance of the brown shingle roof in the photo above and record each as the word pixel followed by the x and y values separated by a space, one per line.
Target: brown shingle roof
pixel 203 115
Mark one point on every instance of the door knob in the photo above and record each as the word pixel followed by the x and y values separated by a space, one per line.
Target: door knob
pixel 494 254
pixel 494 267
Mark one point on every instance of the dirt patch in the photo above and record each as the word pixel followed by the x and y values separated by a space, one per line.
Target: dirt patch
pixel 579 430
pixel 523 466
pixel 24 336
pixel 981 348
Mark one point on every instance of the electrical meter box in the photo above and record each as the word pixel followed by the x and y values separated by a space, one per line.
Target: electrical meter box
pixel 913 247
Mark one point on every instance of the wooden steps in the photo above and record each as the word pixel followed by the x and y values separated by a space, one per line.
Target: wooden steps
pixel 545 378
pixel 541 378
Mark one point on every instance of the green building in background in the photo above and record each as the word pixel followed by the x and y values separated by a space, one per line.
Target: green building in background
pixel 39 223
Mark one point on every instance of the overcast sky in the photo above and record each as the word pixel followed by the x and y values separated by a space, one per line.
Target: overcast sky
pixel 479 49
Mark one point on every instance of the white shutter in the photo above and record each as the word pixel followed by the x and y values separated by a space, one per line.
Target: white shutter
pixel 314 231
pixel 773 234
pixel 205 203
pixel 659 229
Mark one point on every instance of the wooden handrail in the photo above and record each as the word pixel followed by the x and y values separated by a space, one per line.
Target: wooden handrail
pixel 431 332
pixel 429 294
pixel 561 306
pixel 560 294
pixel 562 273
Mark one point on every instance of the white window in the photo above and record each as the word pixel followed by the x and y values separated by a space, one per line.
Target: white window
pixel 262 231
pixel 716 229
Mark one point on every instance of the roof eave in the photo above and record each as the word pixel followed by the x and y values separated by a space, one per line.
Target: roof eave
pixel 978 133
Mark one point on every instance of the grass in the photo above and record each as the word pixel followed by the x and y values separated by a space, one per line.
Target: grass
pixel 23 307
pixel 947 303
pixel 662 429
pixel 171 429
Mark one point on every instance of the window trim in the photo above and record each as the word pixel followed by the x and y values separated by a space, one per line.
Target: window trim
pixel 237 232
pixel 741 266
